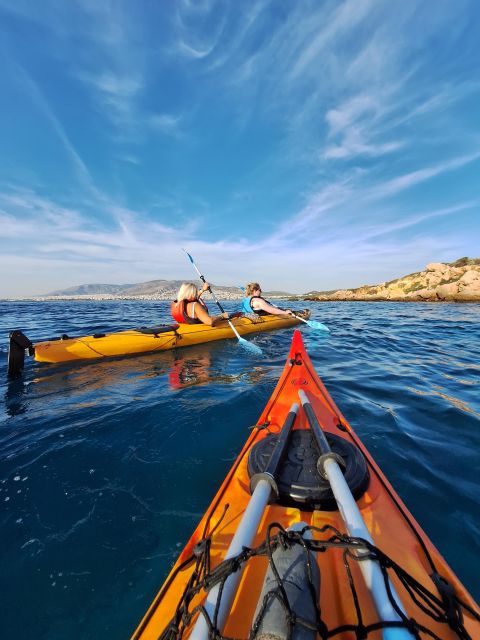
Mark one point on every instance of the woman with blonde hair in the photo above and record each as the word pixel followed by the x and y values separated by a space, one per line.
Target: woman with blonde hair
pixel 256 304
pixel 189 308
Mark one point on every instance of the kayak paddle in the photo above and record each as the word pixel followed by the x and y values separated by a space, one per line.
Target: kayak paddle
pixel 244 343
pixel 313 324
pixel 329 467
pixel 263 487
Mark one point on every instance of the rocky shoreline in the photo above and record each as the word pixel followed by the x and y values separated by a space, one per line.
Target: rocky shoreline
pixel 439 282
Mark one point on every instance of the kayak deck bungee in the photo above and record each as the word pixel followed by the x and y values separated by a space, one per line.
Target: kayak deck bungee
pixel 283 552
pixel 142 340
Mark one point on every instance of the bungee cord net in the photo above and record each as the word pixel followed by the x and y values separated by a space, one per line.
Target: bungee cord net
pixel 442 607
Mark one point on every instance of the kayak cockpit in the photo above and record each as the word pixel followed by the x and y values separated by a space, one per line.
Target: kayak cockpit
pixel 299 482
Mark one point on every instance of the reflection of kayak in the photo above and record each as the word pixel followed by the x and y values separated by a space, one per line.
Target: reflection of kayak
pixel 140 340
pixel 194 367
pixel 273 548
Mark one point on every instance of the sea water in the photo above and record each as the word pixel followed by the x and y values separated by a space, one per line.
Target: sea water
pixel 107 466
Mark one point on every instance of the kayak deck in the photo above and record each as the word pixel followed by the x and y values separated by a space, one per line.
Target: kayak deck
pixel 343 597
pixel 160 338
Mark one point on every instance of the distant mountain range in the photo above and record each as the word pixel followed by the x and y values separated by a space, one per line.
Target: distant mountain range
pixel 138 289
pixel 160 289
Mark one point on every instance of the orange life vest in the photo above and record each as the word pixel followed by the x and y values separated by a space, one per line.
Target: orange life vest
pixel 179 311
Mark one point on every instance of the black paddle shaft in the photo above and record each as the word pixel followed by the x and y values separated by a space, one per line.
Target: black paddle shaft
pixel 276 458
pixel 320 438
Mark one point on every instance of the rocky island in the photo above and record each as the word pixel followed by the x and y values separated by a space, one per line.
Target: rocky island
pixel 457 281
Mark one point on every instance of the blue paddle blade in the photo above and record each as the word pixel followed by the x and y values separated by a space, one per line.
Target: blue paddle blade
pixel 189 257
pixel 317 325
pixel 250 346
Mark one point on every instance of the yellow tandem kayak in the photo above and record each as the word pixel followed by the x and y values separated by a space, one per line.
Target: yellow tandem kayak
pixel 141 340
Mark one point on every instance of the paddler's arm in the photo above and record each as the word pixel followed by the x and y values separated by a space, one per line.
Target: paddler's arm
pixel 261 304
pixel 203 316
pixel 206 287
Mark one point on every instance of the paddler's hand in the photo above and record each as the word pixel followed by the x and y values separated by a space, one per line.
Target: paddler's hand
pixel 289 312
pixel 219 318
pixel 206 287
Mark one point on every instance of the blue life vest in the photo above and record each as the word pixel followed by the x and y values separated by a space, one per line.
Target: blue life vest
pixel 246 306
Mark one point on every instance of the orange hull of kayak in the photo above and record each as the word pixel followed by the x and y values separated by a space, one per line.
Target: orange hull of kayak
pixel 134 341
pixel 393 528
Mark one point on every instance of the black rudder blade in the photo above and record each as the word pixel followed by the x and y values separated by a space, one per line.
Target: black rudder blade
pixel 16 351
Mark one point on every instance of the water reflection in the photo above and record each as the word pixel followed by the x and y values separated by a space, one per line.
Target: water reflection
pixel 196 368
pixel 190 370
pixel 16 397
pixel 181 369
pixel 436 390
pixel 102 373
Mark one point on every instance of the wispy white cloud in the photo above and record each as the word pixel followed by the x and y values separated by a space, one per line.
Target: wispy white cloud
pixel 111 62
pixel 36 97
pixel 387 228
pixel 353 144
pixel 408 180
pixel 344 18
pixel 335 206
pixel 168 124
pixel 116 92
pixel 317 64
pixel 353 123
pixel 199 27
pixel 131 159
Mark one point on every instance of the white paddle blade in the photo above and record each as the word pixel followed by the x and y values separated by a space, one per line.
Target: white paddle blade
pixel 313 324
pixel 250 346
pixel 318 326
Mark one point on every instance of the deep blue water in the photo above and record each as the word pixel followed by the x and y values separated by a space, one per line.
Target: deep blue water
pixel 106 467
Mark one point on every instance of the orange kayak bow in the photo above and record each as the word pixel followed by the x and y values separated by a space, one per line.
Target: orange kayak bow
pixel 306 538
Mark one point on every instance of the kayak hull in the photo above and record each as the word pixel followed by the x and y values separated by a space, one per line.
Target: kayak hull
pixel 147 340
pixel 393 529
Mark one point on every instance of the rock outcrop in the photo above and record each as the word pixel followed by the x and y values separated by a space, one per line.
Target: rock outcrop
pixel 440 282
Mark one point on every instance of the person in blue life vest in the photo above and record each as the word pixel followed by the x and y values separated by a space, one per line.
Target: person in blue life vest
pixel 256 304
pixel 189 308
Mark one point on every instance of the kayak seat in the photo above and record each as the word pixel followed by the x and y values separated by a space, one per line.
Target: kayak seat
pixel 161 328
pixel 299 483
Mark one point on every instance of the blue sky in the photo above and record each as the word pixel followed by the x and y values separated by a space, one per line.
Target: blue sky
pixel 306 144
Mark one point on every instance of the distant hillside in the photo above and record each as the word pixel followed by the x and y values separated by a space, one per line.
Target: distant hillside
pixel 153 289
pixel 275 294
pixel 457 281
pixel 90 289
